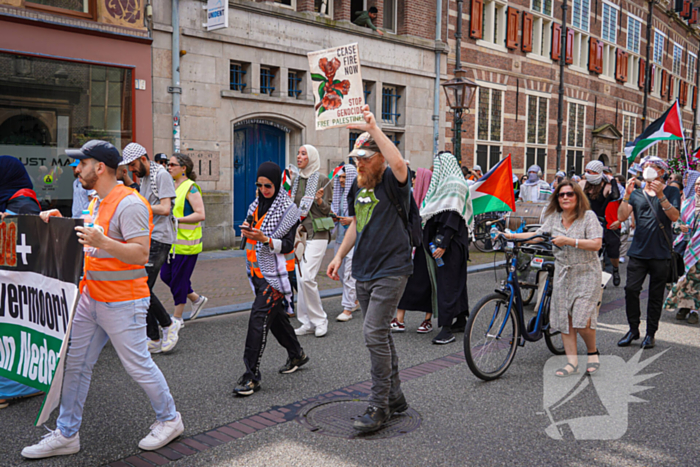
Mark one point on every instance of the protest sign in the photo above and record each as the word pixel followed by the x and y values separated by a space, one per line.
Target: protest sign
pixel 337 86
pixel 40 267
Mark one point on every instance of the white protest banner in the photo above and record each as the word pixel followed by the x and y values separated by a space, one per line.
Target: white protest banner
pixel 40 268
pixel 337 86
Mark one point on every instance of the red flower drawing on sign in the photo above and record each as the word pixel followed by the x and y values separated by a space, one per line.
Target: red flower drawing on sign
pixel 330 90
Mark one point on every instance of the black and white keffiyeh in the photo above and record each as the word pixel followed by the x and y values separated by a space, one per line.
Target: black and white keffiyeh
pixel 342 191
pixel 280 218
pixel 153 177
pixel 309 194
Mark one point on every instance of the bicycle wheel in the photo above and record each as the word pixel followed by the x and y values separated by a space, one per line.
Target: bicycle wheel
pixel 555 344
pixel 482 235
pixel 488 349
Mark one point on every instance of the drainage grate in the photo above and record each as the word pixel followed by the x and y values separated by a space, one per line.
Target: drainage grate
pixel 335 418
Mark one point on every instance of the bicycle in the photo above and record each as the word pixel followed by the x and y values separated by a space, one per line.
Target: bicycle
pixel 496 325
pixel 482 230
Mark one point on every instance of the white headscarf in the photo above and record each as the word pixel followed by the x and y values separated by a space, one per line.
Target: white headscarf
pixel 314 162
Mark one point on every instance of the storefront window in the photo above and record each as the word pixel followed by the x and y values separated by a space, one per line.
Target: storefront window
pixel 82 6
pixel 48 106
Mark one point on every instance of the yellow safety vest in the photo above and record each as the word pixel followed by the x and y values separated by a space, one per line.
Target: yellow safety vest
pixel 189 236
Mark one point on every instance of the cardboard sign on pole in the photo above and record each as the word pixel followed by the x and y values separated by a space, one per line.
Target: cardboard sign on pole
pixel 337 86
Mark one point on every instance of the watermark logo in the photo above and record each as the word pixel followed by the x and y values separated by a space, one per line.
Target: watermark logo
pixel 595 407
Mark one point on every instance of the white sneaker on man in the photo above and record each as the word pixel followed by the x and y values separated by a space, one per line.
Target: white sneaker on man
pixel 162 433
pixel 198 306
pixel 303 330
pixel 155 346
pixel 170 336
pixel 344 317
pixel 53 444
pixel 321 329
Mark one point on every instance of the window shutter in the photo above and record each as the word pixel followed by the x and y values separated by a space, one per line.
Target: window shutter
pixel 512 34
pixel 670 86
pixel 618 64
pixel 599 56
pixel 687 7
pixel 695 97
pixel 664 83
pixel 693 16
pixel 642 73
pixel 684 94
pixel 621 68
pixel 625 65
pixel 527 31
pixel 651 76
pixel 681 87
pixel 556 41
pixel 477 15
pixel 592 50
pixel 569 46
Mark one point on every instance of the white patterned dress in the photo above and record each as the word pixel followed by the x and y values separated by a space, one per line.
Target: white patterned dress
pixel 577 288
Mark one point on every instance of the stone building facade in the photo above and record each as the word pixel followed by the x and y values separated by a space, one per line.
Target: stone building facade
pixel 246 90
pixel 513 51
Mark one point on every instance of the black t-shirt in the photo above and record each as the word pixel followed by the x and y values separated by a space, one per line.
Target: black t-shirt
pixel 382 247
pixel 649 241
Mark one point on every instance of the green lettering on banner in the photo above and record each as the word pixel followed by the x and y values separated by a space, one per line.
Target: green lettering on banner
pixel 28 356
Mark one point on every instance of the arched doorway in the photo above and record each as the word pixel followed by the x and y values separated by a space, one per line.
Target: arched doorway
pixel 25 130
pixel 604 159
pixel 254 141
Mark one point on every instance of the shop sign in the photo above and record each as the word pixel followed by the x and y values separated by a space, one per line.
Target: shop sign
pixel 217 14
pixel 206 164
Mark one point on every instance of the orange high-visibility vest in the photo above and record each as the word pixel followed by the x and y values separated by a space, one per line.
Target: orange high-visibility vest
pixel 252 255
pixel 107 278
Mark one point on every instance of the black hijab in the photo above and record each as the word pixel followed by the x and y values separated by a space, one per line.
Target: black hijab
pixel 272 172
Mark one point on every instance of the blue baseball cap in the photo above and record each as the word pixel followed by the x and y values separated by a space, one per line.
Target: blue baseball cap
pixel 74 163
pixel 99 150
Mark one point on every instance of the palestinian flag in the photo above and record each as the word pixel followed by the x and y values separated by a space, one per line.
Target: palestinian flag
pixel 695 155
pixel 286 181
pixel 668 127
pixel 494 191
pixel 336 171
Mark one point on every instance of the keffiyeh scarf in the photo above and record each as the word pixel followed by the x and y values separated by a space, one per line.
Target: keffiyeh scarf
pixel 689 189
pixel 309 194
pixel 280 218
pixel 337 206
pixel 153 177
pixel 689 218
pixel 448 191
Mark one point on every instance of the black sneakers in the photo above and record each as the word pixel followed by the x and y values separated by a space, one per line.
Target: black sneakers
pixel 444 337
pixel 616 277
pixel 293 364
pixel 372 420
pixel 246 387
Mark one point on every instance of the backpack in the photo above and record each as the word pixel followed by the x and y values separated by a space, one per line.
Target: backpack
pixel 412 222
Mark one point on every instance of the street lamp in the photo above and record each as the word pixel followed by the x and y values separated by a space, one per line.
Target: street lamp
pixel 460 91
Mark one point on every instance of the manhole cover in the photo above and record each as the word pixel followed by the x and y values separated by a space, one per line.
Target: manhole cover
pixel 335 418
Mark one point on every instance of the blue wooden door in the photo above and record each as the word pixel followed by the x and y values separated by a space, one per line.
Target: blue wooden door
pixel 252 145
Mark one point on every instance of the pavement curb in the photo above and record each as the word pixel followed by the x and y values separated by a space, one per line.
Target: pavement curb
pixel 328 293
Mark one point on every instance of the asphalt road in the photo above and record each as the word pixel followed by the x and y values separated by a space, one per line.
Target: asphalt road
pixel 464 421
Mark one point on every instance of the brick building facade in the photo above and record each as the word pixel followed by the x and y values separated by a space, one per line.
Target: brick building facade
pixel 512 50
pixel 246 90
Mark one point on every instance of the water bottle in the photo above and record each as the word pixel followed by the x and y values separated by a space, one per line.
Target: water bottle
pixel 509 244
pixel 87 222
pixel 438 261
pixel 494 234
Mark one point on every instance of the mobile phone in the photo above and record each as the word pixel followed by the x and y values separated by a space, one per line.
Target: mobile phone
pixel 243 227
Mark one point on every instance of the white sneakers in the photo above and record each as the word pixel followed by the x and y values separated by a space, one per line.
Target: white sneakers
pixel 55 444
pixel 154 346
pixel 321 329
pixel 170 336
pixel 52 444
pixel 198 306
pixel 303 330
pixel 162 433
pixel 344 317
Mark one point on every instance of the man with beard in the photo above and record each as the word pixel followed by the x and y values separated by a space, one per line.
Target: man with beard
pixel 112 306
pixel 158 188
pixel 381 261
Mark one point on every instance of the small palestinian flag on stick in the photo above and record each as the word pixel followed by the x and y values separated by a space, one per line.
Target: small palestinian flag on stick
pixel 286 181
pixel 334 174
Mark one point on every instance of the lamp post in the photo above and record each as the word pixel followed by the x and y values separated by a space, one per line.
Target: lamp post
pixel 460 91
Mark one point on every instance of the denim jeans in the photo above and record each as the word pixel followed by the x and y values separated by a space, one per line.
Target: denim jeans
pixel 123 323
pixel 157 316
pixel 379 299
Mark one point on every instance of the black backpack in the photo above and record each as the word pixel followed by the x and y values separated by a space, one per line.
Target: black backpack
pixel 412 222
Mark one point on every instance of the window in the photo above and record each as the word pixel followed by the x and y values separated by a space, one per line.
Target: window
pixel 541 36
pixel 659 38
pixel 610 13
pixel 494 23
pixel 368 89
pixel 677 58
pixel 580 50
pixel 634 28
pixel 294 83
pixel 390 15
pixel 79 8
pixel 324 7
pixel 78 102
pixel 575 137
pixel 267 80
pixel 628 135
pixel 489 127
pixel 692 67
pixel 353 137
pixel 390 105
pixel 580 14
pixel 395 138
pixel 542 6
pixel 286 3
pixel 536 132
pixel 238 73
pixel 652 151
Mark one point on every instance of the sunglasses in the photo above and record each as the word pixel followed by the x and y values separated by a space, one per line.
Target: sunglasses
pixel 172 164
pixel 269 186
pixel 567 194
